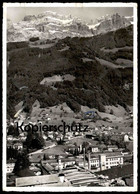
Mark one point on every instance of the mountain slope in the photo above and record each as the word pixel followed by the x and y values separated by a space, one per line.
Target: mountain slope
pixel 95 82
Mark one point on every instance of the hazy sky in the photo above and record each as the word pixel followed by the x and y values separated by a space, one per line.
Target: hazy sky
pixel 86 13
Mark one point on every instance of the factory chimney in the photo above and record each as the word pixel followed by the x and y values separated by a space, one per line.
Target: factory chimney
pixel 59 163
pixel 89 163
pixel 84 157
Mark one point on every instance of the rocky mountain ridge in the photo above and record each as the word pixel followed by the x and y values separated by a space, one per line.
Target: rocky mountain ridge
pixel 50 25
pixel 109 23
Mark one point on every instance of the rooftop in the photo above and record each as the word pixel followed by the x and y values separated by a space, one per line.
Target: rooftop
pixel 48 167
pixel 108 154
pixel 37 180
pixel 11 161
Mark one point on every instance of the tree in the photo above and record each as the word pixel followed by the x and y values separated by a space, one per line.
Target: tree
pixel 111 112
pixel 29 140
pixel 121 144
pixel 12 131
pixel 27 109
pixel 73 105
pixel 105 139
pixel 34 141
pixel 12 153
pixel 45 157
pixel 21 163
pixel 99 138
pixel 33 39
pixel 116 127
pixel 85 145
pixel 101 107
pixel 38 142
pixel 61 108
pixel 76 149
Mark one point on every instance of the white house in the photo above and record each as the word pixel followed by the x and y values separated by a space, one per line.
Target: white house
pixel 106 160
pixel 9 137
pixel 126 138
pixel 18 146
pixel 112 148
pixel 10 167
pixel 94 148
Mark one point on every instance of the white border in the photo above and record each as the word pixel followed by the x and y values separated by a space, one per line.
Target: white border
pixel 135 96
pixel 70 5
pixel 135 93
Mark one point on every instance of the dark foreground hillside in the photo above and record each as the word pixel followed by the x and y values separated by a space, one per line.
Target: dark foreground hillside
pixel 89 60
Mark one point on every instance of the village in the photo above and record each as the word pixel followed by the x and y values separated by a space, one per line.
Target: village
pixel 74 158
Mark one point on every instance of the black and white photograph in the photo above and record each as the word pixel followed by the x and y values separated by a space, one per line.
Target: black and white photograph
pixel 69 97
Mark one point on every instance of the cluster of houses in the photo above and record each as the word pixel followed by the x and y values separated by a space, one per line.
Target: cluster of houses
pixel 111 153
pixel 17 145
pixel 91 134
pixel 94 148
pixel 21 138
pixel 91 162
pixel 94 158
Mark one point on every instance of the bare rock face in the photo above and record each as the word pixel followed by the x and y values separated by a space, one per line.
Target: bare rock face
pixel 48 25
pixel 29 18
pixel 10 30
pixel 109 23
pixel 9 24
pixel 51 25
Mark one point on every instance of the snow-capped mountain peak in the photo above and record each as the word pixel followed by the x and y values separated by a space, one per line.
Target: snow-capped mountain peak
pixel 50 25
pixel 109 23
